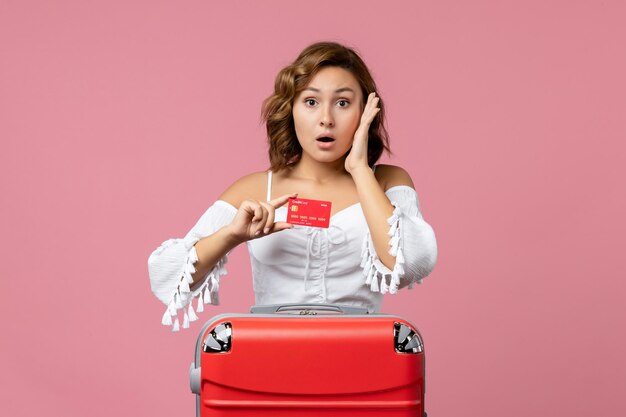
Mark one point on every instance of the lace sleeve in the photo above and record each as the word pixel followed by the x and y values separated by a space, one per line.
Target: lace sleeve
pixel 170 267
pixel 412 242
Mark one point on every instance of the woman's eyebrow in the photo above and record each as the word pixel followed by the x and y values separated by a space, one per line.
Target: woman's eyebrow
pixel 339 90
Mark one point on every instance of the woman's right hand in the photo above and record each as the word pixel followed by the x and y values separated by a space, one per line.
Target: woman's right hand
pixel 255 219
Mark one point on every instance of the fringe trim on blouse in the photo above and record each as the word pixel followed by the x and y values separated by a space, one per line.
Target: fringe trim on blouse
pixel 378 276
pixel 183 296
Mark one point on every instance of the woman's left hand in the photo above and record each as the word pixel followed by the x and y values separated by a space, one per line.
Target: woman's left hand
pixel 357 158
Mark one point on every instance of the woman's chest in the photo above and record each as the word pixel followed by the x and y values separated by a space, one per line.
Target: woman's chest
pixel 342 195
pixel 341 242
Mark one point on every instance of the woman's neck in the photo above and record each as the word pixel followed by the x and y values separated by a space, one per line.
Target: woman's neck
pixel 321 172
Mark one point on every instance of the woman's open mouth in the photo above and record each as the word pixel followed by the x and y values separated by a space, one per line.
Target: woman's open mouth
pixel 325 139
pixel 325 142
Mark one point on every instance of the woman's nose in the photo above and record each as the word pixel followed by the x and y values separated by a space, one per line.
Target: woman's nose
pixel 327 117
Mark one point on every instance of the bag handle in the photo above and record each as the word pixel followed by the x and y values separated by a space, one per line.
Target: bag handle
pixel 307 308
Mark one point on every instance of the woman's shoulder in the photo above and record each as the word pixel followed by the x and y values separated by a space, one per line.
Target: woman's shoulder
pixel 251 186
pixel 391 175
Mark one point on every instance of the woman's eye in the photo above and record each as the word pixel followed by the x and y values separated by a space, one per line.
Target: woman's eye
pixel 311 102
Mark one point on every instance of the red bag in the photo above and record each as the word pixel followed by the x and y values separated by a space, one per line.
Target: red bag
pixel 308 360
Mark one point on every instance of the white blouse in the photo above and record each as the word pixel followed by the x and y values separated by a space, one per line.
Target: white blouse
pixel 337 265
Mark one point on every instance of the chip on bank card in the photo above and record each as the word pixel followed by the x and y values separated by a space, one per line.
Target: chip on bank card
pixel 313 213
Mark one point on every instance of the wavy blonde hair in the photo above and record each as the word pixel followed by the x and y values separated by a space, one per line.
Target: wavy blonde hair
pixel 276 112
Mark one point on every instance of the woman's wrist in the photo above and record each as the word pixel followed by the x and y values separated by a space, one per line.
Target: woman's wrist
pixel 361 172
pixel 230 237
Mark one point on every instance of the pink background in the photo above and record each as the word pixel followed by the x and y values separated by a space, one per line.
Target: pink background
pixel 121 122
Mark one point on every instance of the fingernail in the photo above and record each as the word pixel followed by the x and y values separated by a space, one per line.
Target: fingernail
pixel 257 233
pixel 267 229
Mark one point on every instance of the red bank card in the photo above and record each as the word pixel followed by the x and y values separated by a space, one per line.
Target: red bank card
pixel 314 213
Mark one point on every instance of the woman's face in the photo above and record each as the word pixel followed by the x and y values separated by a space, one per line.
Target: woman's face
pixel 330 106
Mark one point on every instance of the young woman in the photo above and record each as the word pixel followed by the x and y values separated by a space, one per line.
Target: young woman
pixel 325 125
